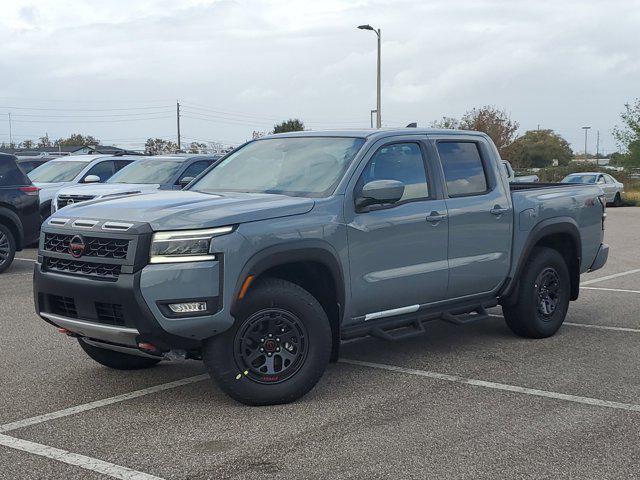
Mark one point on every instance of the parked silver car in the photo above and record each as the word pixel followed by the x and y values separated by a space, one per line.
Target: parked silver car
pixel 74 169
pixel 612 188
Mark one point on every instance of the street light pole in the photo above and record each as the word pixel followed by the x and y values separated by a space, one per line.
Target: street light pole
pixel 586 129
pixel 378 32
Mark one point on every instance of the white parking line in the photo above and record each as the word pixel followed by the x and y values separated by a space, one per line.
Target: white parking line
pixel 603 327
pixel 586 325
pixel 99 403
pixel 611 289
pixel 25 259
pixel 609 277
pixel 82 461
pixel 498 386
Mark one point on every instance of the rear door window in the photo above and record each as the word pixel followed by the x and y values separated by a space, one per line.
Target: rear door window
pixel 463 168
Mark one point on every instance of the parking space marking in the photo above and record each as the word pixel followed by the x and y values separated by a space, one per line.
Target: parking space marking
pixel 624 290
pixel 596 402
pixel 586 325
pixel 82 461
pixel 25 259
pixel 603 327
pixel 609 277
pixel 99 403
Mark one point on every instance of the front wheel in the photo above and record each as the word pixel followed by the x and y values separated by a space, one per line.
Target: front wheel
pixel 276 351
pixel 7 248
pixel 117 360
pixel 542 297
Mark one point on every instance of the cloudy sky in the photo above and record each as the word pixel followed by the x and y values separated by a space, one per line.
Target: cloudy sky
pixel 114 69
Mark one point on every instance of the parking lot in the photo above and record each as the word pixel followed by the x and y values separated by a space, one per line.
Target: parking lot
pixel 459 402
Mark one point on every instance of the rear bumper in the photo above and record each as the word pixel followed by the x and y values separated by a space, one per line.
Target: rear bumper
pixel 135 301
pixel 601 257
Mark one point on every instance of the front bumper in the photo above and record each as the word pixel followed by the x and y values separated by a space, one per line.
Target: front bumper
pixel 134 304
pixel 601 257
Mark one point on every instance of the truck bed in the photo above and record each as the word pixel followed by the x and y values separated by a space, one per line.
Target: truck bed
pixel 532 185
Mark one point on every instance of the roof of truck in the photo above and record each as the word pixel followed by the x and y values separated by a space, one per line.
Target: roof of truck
pixel 383 132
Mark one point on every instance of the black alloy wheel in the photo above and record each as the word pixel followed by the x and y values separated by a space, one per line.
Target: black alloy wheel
pixel 271 345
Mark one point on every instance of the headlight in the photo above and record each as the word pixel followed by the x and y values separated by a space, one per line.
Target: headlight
pixel 184 245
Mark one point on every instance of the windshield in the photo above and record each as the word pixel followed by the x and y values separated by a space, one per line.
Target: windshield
pixel 297 166
pixel 57 171
pixel 148 171
pixel 579 179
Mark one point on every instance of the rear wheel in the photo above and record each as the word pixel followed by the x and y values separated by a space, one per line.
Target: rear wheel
pixel 617 201
pixel 278 348
pixel 542 297
pixel 117 360
pixel 7 248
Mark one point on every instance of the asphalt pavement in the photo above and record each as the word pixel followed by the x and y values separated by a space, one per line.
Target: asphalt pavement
pixel 459 402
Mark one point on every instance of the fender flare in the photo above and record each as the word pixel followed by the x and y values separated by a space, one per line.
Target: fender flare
pixel 292 252
pixel 14 221
pixel 550 226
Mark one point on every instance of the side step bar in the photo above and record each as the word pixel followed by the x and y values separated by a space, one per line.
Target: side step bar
pixel 403 327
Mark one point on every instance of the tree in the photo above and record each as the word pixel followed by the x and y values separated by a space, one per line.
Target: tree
pixel 44 142
pixel 494 122
pixel 75 140
pixel 291 125
pixel 28 144
pixel 157 146
pixel 446 122
pixel 628 135
pixel 537 149
pixel 196 147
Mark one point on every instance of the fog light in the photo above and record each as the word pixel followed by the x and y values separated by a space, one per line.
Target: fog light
pixel 189 307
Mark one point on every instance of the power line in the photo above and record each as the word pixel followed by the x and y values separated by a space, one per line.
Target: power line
pixel 98 121
pixel 111 115
pixel 86 109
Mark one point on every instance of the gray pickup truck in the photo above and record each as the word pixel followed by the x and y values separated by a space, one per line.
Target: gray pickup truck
pixel 295 242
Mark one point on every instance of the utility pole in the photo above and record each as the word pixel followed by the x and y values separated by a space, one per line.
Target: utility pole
pixel 598 147
pixel 178 122
pixel 10 132
pixel 378 32
pixel 371 117
pixel 586 129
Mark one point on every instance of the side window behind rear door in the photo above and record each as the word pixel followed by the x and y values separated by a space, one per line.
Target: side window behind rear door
pixel 10 174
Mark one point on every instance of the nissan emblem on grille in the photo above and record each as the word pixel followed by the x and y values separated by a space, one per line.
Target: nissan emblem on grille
pixel 77 246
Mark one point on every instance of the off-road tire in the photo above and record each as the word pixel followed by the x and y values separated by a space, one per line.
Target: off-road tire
pixel 7 248
pixel 271 303
pixel 525 316
pixel 117 360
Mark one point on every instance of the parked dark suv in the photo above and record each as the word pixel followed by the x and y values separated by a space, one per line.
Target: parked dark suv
pixel 19 210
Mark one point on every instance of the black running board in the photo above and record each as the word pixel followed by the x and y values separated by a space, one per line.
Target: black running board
pixel 402 327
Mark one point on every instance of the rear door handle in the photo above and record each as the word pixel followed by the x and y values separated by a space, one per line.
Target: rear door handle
pixel 498 210
pixel 435 217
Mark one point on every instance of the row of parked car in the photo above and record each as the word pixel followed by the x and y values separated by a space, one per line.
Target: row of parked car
pixel 28 195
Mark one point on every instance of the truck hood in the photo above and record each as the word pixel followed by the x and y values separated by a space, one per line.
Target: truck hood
pixel 183 210
pixel 105 189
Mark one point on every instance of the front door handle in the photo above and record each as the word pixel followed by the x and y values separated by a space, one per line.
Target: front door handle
pixel 497 210
pixel 435 217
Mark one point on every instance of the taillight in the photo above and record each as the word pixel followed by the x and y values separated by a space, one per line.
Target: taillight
pixel 30 190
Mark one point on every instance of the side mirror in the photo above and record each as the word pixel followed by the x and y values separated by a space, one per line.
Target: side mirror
pixel 91 179
pixel 185 181
pixel 379 192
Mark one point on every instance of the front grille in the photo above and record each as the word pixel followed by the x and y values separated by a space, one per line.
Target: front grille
pixel 64 200
pixel 94 246
pixel 110 313
pixel 64 306
pixel 99 270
